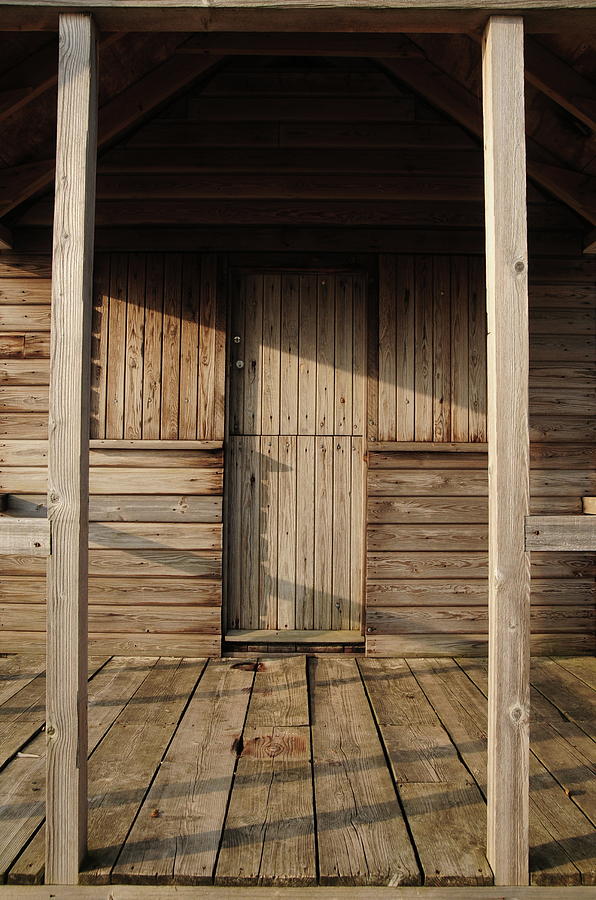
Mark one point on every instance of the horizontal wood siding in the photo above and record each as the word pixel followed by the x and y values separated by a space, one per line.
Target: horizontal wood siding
pixel 155 536
pixel 427 555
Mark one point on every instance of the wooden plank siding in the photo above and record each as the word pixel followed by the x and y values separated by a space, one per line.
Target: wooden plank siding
pixel 427 512
pixel 428 507
pixel 155 539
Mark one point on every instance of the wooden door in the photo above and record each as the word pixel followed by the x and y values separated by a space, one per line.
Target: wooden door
pixel 295 468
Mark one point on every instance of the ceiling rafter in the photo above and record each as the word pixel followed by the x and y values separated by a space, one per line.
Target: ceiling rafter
pixel 453 97
pixel 559 81
pixel 116 116
pixel 35 75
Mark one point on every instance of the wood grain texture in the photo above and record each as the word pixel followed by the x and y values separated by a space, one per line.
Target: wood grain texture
pixel 202 756
pixel 159 335
pixel 508 449
pixel 361 833
pixel 72 263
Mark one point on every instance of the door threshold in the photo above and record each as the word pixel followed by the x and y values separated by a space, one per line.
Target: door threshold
pixel 287 636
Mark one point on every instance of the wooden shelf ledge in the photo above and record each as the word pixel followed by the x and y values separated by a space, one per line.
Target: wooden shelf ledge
pixel 561 533
pixel 24 537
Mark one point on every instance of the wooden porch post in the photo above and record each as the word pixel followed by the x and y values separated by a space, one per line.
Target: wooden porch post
pixel 68 452
pixel 508 449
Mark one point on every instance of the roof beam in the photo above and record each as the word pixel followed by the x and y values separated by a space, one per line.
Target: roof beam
pixel 453 97
pixel 6 242
pixel 115 117
pixel 590 242
pixel 310 44
pixel 449 16
pixel 558 80
pixel 35 75
pixel 561 82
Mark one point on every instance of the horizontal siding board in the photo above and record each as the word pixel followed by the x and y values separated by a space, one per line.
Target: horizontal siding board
pixel 454 592
pixel 139 536
pixel 427 537
pixel 108 619
pixel 24 318
pixel 472 619
pixel 473 565
pixel 120 591
pixel 104 480
pixel 404 482
pixel 429 645
pixel 131 508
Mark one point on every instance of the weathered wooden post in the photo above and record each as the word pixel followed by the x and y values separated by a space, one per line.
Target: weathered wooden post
pixel 68 451
pixel 508 449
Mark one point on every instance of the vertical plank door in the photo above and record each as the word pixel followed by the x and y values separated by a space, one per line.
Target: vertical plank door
pixel 295 451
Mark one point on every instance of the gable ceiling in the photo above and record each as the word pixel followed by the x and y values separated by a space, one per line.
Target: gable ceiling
pixel 409 107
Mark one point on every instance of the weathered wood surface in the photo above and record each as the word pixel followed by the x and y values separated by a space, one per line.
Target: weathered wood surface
pixel 23 779
pixel 29 537
pixel 432 781
pixel 253 718
pixel 559 533
pixel 362 837
pixel 68 481
pixel 269 835
pixel 295 454
pixel 110 692
pixel 144 892
pixel 462 709
pixel 159 366
pixel 191 790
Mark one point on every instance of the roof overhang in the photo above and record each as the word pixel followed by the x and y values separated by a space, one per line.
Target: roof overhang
pixel 449 16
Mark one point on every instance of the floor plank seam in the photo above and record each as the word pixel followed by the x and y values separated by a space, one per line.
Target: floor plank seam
pixel 537 758
pixel 164 754
pixel 545 767
pixel 309 688
pixel 563 712
pixel 393 780
pixel 450 735
pixel 41 728
pixel 560 661
pixel 233 779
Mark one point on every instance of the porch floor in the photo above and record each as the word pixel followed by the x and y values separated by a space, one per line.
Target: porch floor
pixel 295 771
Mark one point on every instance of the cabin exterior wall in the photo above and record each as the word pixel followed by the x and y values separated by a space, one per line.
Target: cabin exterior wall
pixel 156 514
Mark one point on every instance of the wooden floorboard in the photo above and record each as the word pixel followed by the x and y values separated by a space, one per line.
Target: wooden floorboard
pixel 361 833
pixel 16 672
pixel 444 807
pixel 22 782
pixel 286 772
pixel 562 841
pixel 176 835
pixel 24 713
pixel 583 667
pixel 561 746
pixel 268 837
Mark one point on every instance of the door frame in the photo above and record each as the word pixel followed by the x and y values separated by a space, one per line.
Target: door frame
pixel 365 263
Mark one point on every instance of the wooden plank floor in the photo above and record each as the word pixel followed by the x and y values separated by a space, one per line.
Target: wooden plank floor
pixel 290 771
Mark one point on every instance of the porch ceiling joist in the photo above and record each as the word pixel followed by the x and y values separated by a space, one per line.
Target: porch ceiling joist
pixel 115 117
pixel 544 69
pixel 453 97
pixel 450 16
pixel 34 75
